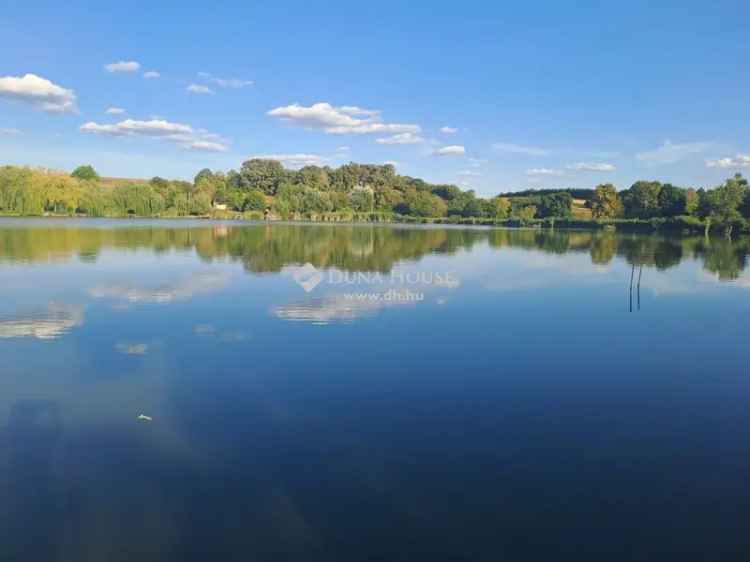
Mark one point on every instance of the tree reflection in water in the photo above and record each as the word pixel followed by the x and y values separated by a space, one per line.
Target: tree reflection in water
pixel 269 248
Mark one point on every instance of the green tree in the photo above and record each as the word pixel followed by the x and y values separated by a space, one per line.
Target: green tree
pixel 14 186
pixel 211 184
pixel 458 201
pixel 314 201
pixel 200 204
pixel 422 204
pixel 289 199
pixel 236 199
pixel 446 192
pixel 313 177
pixel 265 175
pixel 642 199
pixel 606 203
pixel 473 208
pixel 672 201
pixel 136 199
pixel 723 203
pixel 85 173
pixel 489 207
pixel 502 207
pixel 204 175
pixel 254 201
pixel 558 205
pixel 362 200
pixel 526 213
pixel 387 199
pixel 691 201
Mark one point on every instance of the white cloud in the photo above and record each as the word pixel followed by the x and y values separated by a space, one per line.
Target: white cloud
pixel 115 111
pixel 591 167
pixel 232 82
pixel 477 162
pixel 10 131
pixel 739 161
pixel 133 127
pixel 207 146
pixel 469 173
pixel 225 82
pixel 340 120
pixel 402 138
pixel 38 92
pixel 533 172
pixel 196 284
pixel 183 135
pixel 391 163
pixel 151 74
pixel 670 153
pixel 343 149
pixel 199 89
pixel 123 66
pixel 371 128
pixel 452 150
pixel 520 149
pixel 294 160
pixel 355 110
pixel 448 130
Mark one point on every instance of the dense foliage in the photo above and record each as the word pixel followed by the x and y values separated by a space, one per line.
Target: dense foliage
pixel 259 186
pixel 727 205
pixel 365 191
pixel 575 193
pixel 85 173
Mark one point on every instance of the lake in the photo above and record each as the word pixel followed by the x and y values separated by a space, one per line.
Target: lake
pixel 194 391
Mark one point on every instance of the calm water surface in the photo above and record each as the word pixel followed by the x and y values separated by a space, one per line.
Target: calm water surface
pixel 412 394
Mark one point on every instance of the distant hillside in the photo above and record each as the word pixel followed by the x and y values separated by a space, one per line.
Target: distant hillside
pixel 576 193
pixel 111 182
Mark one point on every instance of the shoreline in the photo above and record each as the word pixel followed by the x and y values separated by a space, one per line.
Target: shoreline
pixel 680 225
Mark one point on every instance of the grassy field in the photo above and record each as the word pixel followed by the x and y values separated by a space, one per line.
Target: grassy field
pixel 580 211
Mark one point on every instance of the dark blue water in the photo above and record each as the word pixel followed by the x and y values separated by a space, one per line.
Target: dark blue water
pixel 434 394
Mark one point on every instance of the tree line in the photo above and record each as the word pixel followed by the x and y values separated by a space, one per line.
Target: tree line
pixel 353 190
pixel 259 185
pixel 727 205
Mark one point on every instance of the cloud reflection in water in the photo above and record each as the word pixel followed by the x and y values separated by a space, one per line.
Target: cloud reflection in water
pixel 54 322
pixel 344 307
pixel 196 284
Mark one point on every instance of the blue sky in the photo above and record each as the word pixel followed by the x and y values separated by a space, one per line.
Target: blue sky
pixel 540 94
